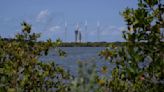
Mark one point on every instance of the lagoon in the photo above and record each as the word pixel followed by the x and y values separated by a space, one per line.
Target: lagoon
pixel 75 55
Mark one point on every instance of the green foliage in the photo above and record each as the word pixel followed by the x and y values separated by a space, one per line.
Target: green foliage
pixel 20 69
pixel 88 80
pixel 139 62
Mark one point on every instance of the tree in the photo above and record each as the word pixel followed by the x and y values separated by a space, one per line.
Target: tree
pixel 140 60
pixel 20 68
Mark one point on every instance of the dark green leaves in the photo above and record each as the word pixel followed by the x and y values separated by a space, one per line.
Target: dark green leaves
pixel 139 62
pixel 151 2
pixel 26 27
pixel 20 68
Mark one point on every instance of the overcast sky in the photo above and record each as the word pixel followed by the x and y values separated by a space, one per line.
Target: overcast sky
pixel 50 16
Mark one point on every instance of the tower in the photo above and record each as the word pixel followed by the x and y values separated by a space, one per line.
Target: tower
pixel 65 29
pixel 78 35
pixel 86 33
pixel 98 31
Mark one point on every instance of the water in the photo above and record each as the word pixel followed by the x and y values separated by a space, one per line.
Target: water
pixel 76 54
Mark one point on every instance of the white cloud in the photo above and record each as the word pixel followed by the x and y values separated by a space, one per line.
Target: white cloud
pixel 6 19
pixel 112 30
pixel 122 28
pixel 54 28
pixel 53 32
pixel 92 32
pixel 42 15
pixel 108 31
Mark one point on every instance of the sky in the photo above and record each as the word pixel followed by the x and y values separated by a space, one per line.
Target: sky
pixel 52 18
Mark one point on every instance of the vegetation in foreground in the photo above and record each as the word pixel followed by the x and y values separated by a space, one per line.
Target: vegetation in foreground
pixel 139 66
pixel 20 69
pixel 139 63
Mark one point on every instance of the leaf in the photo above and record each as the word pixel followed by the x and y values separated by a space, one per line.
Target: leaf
pixel 11 90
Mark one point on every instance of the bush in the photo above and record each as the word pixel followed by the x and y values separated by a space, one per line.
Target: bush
pixel 20 69
pixel 139 61
pixel 88 79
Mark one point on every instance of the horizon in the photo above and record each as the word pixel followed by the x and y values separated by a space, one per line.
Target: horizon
pixel 52 18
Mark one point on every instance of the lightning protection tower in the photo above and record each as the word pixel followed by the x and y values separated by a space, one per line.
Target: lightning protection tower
pixel 77 33
pixel 98 31
pixel 86 33
pixel 65 33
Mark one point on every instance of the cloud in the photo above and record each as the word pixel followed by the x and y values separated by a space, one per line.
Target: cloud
pixel 122 28
pixel 112 30
pixel 54 28
pixel 92 32
pixel 6 19
pixel 111 33
pixel 51 30
pixel 108 30
pixel 42 15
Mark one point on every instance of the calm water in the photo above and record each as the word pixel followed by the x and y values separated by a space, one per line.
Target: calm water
pixel 76 54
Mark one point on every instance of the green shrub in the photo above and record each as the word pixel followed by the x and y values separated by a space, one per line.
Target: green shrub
pixel 88 79
pixel 20 68
pixel 139 61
